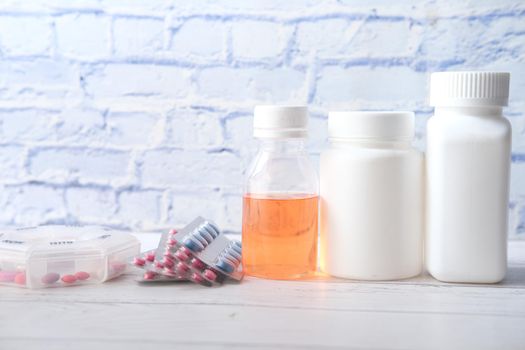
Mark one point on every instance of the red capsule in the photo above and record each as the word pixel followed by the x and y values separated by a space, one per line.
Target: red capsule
pixel 181 255
pixel 197 264
pixel 139 261
pixel 197 278
pixel 173 231
pixel 169 273
pixel 69 279
pixel 168 263
pixel 185 250
pixel 82 275
pixel 118 266
pixel 159 265
pixel 182 268
pixel 210 275
pixel 149 275
pixel 20 278
pixel 7 276
pixel 150 256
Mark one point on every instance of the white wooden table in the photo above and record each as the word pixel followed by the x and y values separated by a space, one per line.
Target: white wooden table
pixel 414 314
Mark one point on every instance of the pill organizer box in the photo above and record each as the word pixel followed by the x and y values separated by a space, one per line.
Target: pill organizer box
pixel 58 256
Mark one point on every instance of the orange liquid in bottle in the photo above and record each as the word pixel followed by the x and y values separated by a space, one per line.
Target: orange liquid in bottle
pixel 279 236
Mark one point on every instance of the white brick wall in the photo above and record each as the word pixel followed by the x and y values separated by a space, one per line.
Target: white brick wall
pixel 137 114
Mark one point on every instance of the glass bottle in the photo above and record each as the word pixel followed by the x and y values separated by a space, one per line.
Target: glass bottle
pixel 280 202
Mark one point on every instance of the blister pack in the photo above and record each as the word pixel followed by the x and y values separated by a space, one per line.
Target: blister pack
pixel 198 252
pixel 153 261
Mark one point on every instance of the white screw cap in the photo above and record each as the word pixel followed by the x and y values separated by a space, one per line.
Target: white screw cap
pixel 280 122
pixel 457 89
pixel 388 126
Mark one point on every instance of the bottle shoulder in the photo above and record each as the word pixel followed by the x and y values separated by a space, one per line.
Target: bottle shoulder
pixel 472 121
pixel 469 126
pixel 281 173
pixel 365 153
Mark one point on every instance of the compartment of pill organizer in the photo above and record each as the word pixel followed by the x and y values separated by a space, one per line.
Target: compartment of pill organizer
pixel 64 272
pixel 12 269
pixel 117 262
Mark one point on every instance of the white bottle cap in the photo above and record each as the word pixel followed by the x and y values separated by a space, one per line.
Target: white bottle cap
pixel 389 126
pixel 280 122
pixel 457 89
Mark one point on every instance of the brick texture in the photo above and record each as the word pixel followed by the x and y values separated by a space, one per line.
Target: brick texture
pixel 137 114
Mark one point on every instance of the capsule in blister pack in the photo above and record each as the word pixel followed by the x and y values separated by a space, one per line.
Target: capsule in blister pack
pixel 154 265
pixel 205 254
pixel 152 276
pixel 185 245
pixel 198 252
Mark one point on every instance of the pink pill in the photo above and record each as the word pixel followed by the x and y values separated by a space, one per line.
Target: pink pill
pixel 169 273
pixel 159 265
pixel 150 256
pixel 185 250
pixel 20 278
pixel 69 279
pixel 118 266
pixel 149 275
pixel 209 274
pixel 173 232
pixel 50 278
pixel 197 278
pixel 181 255
pixel 7 276
pixel 139 262
pixel 182 268
pixel 196 263
pixel 168 255
pixel 168 263
pixel 82 275
pixel 171 242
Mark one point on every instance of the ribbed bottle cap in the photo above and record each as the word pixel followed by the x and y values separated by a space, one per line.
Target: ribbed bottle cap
pixel 280 122
pixel 456 89
pixel 389 126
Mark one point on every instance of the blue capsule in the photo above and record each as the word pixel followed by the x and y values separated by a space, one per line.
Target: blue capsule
pixel 224 266
pixel 205 234
pixel 193 245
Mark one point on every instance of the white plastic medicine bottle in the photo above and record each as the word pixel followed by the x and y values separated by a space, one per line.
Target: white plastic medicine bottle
pixel 468 161
pixel 371 197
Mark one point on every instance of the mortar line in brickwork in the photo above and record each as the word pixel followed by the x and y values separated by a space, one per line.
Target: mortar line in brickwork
pixel 518 157
pixel 236 64
pixel 352 16
pixel 333 13
pixel 183 188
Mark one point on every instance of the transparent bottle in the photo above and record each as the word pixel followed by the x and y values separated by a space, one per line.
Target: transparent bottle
pixel 280 202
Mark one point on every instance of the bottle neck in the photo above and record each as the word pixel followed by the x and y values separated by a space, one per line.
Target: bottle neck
pixel 371 143
pixel 283 146
pixel 478 111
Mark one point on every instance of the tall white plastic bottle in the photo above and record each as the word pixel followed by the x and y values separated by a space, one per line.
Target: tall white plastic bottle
pixel 371 197
pixel 468 162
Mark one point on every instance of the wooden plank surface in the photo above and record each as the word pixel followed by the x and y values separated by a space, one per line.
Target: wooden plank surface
pixel 419 313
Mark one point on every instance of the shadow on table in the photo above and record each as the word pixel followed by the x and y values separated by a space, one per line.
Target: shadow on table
pixel 515 277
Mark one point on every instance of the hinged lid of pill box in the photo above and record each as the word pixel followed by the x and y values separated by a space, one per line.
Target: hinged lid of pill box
pixel 50 256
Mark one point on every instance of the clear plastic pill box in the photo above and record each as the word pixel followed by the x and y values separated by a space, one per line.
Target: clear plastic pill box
pixel 59 256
